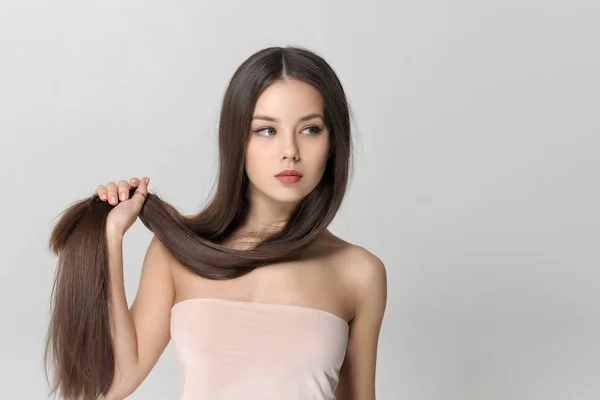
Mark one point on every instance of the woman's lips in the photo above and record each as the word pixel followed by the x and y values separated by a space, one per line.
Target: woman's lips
pixel 288 178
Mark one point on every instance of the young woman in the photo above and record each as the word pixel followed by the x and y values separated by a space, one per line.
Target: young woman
pixel 260 299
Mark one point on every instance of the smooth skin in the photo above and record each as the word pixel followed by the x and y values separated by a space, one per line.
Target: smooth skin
pixel 335 276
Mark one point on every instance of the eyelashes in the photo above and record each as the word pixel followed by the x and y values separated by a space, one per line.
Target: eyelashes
pixel 258 131
pixel 315 130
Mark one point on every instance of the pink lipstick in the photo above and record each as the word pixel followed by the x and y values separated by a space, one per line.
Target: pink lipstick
pixel 289 176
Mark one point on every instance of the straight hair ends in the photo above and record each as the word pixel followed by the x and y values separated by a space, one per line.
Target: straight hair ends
pixel 79 348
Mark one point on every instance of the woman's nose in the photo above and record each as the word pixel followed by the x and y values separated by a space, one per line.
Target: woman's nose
pixel 289 149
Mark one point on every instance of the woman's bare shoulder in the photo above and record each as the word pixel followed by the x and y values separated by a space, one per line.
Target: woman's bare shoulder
pixel 356 262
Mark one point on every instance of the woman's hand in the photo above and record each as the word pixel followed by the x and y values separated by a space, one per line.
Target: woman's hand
pixel 125 213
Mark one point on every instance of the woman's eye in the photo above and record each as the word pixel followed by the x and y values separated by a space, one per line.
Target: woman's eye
pixel 313 130
pixel 265 131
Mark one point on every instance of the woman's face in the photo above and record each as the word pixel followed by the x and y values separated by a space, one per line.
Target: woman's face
pixel 287 132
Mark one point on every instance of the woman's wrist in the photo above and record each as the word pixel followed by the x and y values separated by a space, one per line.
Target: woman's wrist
pixel 114 235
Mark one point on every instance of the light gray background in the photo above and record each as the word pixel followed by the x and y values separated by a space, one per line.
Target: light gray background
pixel 478 142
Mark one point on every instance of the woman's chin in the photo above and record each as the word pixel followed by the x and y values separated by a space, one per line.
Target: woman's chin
pixel 287 198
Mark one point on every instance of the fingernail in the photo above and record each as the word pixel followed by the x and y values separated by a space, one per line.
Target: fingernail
pixel 113 199
pixel 103 196
pixel 147 181
pixel 123 198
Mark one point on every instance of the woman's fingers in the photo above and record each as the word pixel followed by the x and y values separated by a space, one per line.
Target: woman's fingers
pixel 123 190
pixel 115 192
pixel 102 192
pixel 139 196
pixel 111 189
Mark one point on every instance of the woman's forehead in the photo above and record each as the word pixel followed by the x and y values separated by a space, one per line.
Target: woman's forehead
pixel 289 99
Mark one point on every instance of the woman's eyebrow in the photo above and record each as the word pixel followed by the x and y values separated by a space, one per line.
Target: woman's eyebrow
pixel 305 118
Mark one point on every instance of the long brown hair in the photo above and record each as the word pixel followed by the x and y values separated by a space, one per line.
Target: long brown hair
pixel 79 344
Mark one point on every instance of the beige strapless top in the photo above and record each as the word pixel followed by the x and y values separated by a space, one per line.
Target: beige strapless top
pixel 235 350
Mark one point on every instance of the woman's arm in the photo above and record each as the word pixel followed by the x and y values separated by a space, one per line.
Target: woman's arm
pixel 357 375
pixel 140 334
